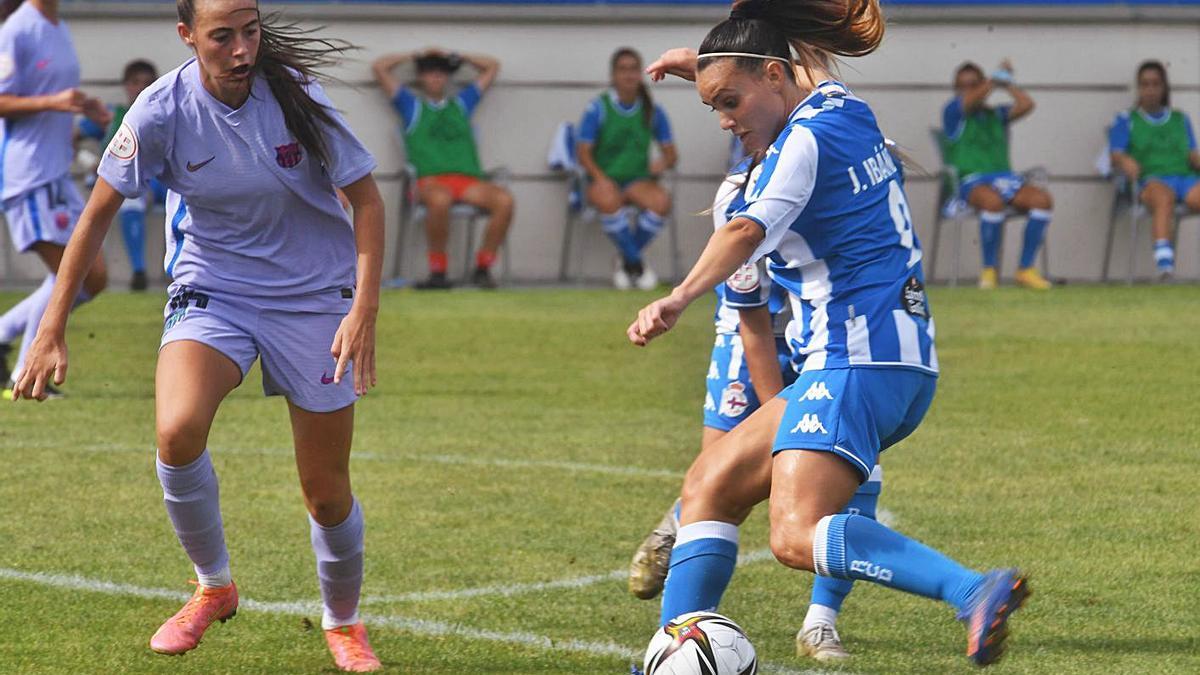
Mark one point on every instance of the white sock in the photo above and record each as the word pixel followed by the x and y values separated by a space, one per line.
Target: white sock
pixel 820 614
pixel 219 579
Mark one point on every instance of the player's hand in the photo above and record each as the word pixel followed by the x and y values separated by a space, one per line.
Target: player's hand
pixel 46 360
pixel 1006 65
pixel 658 167
pixel 95 110
pixel 655 319
pixel 68 100
pixel 354 343
pixel 680 62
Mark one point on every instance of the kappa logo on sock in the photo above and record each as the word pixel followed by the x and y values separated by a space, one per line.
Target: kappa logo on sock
pixel 809 424
pixel 816 392
pixel 871 570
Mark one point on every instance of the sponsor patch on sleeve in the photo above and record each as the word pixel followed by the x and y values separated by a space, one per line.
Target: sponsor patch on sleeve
pixel 745 279
pixel 7 66
pixel 124 144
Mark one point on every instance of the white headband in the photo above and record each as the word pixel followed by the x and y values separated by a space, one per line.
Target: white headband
pixel 745 55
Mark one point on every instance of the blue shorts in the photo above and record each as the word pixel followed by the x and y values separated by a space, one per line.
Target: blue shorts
pixel 1006 183
pixel 45 213
pixel 1180 185
pixel 855 413
pixel 291 335
pixel 731 397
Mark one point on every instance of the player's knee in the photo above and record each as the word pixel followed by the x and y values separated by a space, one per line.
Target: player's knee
pixel 1043 200
pixel 1192 201
pixel 661 204
pixel 437 200
pixel 792 547
pixel 328 501
pixel 503 201
pixel 986 200
pixel 180 437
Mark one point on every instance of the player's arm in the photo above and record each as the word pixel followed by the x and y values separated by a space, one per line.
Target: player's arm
pixel 487 66
pixel 67 100
pixel 1118 145
pixel 726 251
pixel 1022 103
pixel 47 357
pixel 758 343
pixel 680 62
pixel 667 161
pixel 583 153
pixel 355 338
pixel 382 68
pixel 1130 167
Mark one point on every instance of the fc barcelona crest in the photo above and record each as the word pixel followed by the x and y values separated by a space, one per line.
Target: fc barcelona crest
pixel 288 155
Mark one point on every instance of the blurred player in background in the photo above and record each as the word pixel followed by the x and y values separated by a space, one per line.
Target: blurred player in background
pixel 828 209
pixel 615 134
pixel 1154 147
pixel 138 75
pixel 39 98
pixel 976 137
pixel 751 362
pixel 266 264
pixel 441 146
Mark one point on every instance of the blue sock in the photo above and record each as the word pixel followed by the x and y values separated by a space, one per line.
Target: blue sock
pixel 831 592
pixel 702 564
pixel 856 547
pixel 616 226
pixel 133 228
pixel 1035 229
pixel 649 224
pixel 1164 254
pixel 990 223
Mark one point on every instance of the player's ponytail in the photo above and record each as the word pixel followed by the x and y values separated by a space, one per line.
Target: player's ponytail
pixel 643 90
pixel 289 58
pixel 814 29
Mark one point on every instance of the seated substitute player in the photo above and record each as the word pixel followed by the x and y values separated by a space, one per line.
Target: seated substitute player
pixel 977 146
pixel 751 362
pixel 441 146
pixel 266 265
pixel 138 75
pixel 1153 145
pixel 614 148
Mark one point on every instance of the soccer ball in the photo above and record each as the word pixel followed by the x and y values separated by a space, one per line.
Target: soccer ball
pixel 700 643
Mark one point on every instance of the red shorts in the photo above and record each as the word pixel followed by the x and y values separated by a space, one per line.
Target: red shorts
pixel 456 183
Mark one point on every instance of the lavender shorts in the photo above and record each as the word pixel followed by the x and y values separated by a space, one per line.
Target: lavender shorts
pixel 291 335
pixel 45 213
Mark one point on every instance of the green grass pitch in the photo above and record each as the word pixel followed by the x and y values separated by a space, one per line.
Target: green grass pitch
pixel 517 449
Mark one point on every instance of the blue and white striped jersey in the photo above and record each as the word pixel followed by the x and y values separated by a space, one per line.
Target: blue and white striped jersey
pixel 751 285
pixel 839 238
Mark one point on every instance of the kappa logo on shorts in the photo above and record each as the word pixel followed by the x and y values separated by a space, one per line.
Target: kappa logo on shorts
pixel 288 155
pixel 816 392
pixel 809 424
pixel 174 318
pixel 734 400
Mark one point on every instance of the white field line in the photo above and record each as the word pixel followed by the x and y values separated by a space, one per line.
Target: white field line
pixel 423 627
pixel 507 590
pixel 463 460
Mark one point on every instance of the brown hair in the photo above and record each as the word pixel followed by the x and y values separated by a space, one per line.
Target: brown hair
pixel 643 90
pixel 289 59
pixel 969 67
pixel 814 29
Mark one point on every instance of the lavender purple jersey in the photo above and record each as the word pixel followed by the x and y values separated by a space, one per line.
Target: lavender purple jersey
pixel 249 211
pixel 36 58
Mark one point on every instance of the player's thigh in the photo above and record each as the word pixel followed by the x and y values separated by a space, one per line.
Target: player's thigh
pixel 605 196
pixel 190 381
pixel 733 474
pixel 1192 197
pixel 487 196
pixel 649 195
pixel 1157 195
pixel 434 195
pixel 985 198
pixel 322 442
pixel 1032 197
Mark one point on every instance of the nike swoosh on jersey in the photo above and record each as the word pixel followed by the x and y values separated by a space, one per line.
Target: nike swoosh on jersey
pixel 197 167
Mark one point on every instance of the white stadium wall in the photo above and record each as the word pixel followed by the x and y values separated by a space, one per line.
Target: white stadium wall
pixel 1077 63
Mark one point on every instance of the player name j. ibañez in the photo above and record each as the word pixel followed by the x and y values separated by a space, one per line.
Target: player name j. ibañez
pixel 878 167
